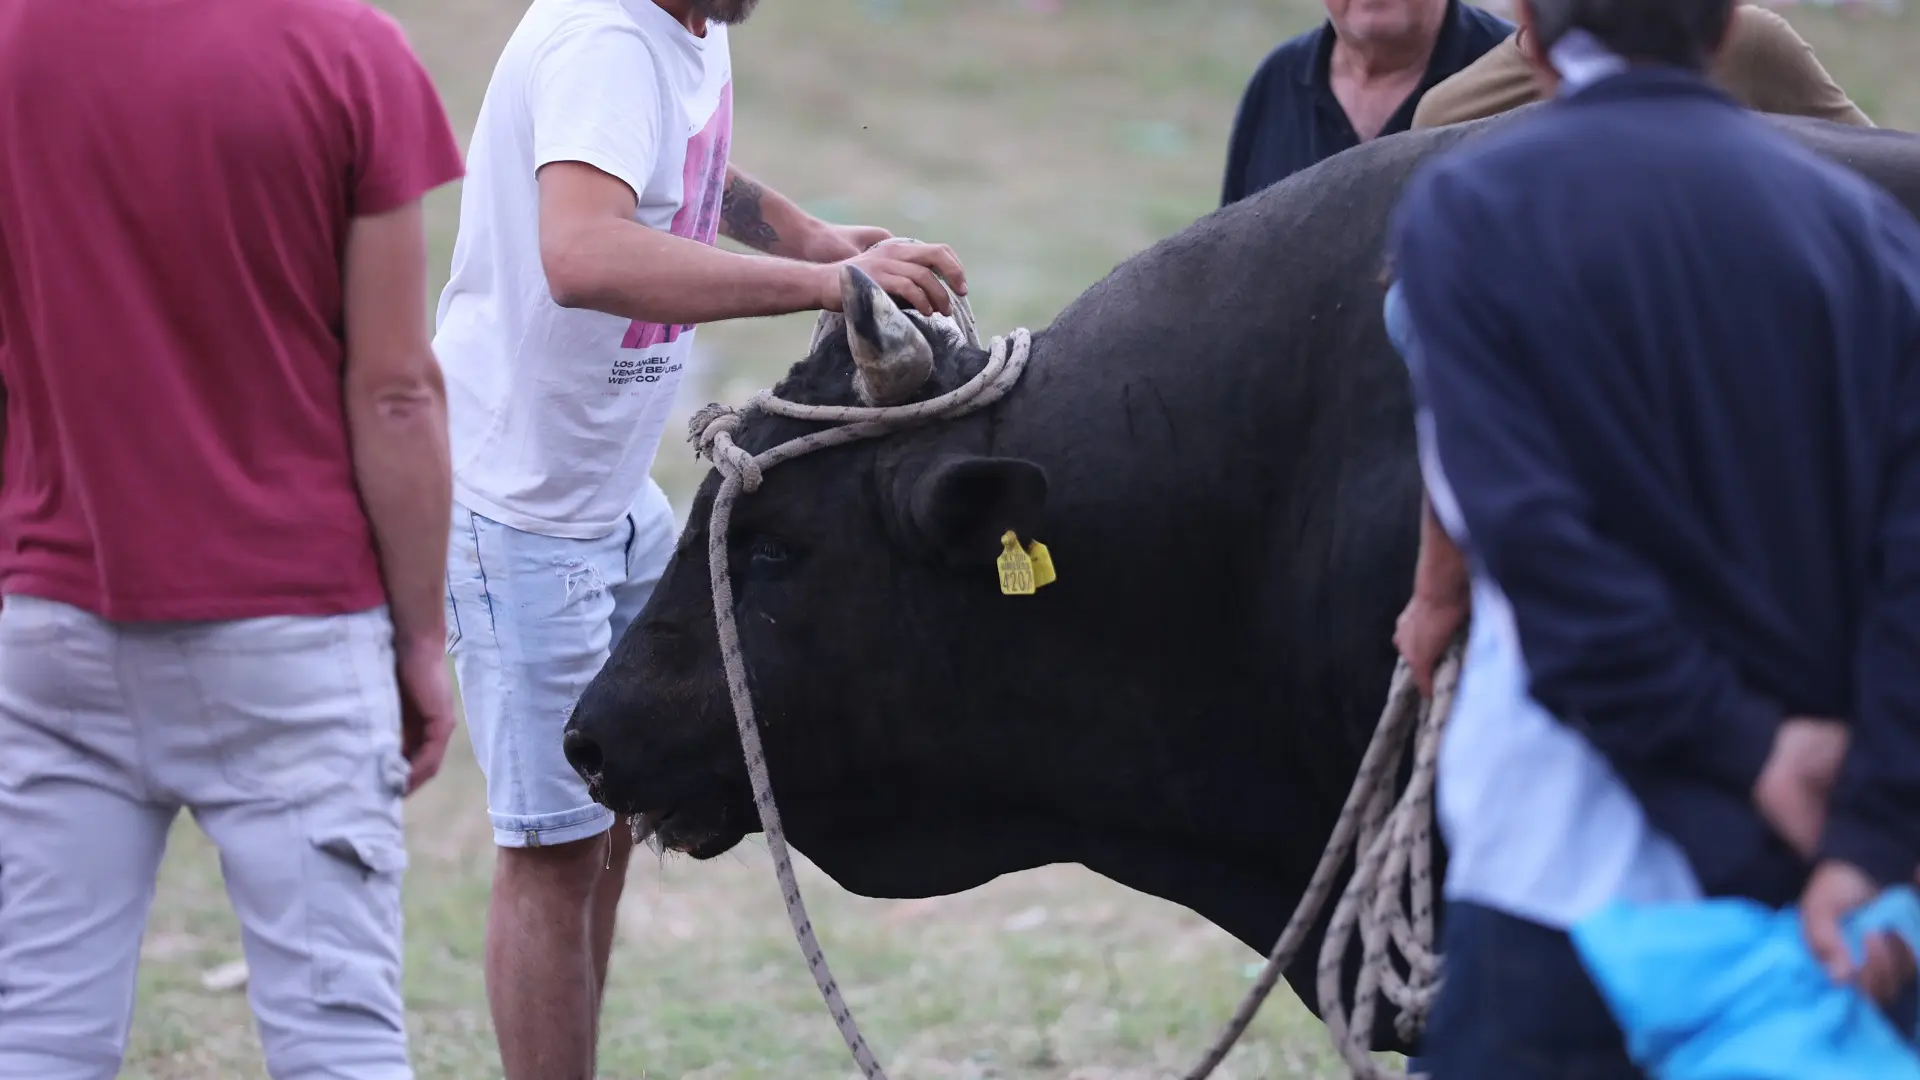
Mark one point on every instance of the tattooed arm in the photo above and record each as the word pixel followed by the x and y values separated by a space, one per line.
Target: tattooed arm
pixel 768 221
pixel 743 213
pixel 597 257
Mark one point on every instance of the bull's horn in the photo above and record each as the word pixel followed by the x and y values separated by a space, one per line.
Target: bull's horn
pixel 891 357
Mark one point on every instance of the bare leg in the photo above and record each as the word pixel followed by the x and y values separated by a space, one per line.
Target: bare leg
pixel 549 934
pixel 606 905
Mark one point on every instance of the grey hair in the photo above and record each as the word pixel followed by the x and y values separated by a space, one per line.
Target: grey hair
pixel 1683 33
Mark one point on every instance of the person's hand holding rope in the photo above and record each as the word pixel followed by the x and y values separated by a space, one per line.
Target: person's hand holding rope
pixel 1426 626
pixel 1442 598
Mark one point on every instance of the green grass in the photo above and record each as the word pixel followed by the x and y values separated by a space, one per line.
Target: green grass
pixel 1045 147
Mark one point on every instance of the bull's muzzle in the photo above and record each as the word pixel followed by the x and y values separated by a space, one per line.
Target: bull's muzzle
pixel 584 754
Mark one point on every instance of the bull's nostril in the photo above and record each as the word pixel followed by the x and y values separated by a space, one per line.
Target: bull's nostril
pixel 583 754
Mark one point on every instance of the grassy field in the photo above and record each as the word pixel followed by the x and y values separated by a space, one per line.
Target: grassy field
pixel 1046 141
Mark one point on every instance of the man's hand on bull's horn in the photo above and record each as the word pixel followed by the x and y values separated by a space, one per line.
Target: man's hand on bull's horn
pixel 906 271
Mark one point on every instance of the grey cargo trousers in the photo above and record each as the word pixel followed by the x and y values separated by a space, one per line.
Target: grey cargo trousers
pixel 281 736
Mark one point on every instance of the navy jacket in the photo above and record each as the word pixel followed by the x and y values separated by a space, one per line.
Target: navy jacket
pixel 1672 362
pixel 1289 119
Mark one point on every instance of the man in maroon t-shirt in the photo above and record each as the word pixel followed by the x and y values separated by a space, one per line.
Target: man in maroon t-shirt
pixel 224 493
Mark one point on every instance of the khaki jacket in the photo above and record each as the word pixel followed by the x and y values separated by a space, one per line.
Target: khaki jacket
pixel 1765 65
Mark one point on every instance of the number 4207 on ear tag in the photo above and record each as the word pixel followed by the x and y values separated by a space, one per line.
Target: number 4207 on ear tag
pixel 1023 572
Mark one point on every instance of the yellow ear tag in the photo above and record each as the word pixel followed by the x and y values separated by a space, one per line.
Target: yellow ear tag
pixel 1042 564
pixel 1016 568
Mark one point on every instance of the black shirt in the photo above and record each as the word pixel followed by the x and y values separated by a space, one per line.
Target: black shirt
pixel 1289 118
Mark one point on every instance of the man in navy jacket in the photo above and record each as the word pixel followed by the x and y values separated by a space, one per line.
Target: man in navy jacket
pixel 1668 372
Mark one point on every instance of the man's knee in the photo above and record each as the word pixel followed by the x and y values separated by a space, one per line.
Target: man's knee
pixel 338 1011
pixel 572 869
pixel 60 1058
pixel 328 996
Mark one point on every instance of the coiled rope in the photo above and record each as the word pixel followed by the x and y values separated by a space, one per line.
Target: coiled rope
pixel 1391 839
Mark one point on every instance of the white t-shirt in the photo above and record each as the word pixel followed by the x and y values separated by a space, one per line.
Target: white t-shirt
pixel 555 414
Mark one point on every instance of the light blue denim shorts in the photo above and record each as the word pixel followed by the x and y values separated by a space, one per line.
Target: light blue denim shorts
pixel 530 620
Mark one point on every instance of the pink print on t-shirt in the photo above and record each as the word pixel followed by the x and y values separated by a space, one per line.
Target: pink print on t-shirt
pixel 702 184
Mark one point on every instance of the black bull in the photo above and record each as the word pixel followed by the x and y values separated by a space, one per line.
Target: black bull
pixel 1216 444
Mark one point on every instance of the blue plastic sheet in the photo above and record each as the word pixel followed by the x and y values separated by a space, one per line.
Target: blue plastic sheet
pixel 1729 990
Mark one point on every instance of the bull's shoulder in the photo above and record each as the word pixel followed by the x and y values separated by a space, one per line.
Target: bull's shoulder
pixel 1885 156
pixel 1297 267
pixel 1320 229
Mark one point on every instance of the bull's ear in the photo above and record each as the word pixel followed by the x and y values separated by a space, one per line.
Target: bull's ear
pixel 962 504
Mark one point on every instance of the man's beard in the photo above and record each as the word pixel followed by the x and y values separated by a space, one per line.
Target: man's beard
pixel 725 11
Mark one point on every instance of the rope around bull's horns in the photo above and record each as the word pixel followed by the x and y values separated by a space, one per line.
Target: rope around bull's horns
pixel 1390 839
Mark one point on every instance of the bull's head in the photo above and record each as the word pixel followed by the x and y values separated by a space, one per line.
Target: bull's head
pixel 864 588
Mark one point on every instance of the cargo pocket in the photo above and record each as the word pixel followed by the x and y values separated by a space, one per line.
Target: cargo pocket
pixel 353 889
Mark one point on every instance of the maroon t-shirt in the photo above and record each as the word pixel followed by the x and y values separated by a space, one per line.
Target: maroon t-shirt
pixel 176 183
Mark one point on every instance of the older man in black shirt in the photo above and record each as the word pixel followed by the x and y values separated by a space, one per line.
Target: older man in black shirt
pixel 1356 77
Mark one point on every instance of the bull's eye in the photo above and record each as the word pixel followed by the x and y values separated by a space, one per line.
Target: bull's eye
pixel 767 553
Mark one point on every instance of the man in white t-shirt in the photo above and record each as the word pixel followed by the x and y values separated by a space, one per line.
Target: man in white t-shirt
pixel 597 180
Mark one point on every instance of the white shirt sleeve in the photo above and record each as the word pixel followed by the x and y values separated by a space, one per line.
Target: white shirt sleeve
pixel 594 96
